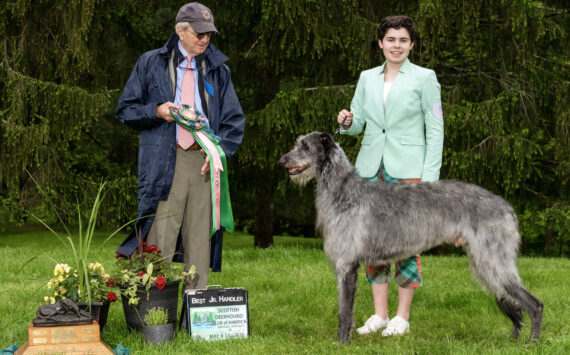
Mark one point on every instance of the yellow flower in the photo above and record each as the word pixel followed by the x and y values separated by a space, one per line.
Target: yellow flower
pixel 96 266
pixel 61 269
pixel 46 298
pixel 60 278
pixel 52 300
pixel 55 293
pixel 50 284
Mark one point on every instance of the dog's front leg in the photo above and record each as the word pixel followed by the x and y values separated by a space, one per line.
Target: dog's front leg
pixel 346 283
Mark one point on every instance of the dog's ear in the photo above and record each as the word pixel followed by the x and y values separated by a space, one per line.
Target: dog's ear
pixel 327 141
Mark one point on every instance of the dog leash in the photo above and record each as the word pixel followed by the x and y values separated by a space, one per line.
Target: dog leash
pixel 340 126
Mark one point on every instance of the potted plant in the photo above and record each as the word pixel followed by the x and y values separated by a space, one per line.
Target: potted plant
pixel 156 328
pixel 85 283
pixel 65 283
pixel 146 280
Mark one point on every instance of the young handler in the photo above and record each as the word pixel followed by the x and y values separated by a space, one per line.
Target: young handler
pixel 395 102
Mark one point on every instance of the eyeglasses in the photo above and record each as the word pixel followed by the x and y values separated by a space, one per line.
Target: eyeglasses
pixel 199 35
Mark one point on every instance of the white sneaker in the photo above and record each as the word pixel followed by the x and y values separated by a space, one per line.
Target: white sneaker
pixel 373 324
pixel 396 326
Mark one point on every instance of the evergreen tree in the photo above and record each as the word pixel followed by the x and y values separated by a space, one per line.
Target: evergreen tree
pixel 503 66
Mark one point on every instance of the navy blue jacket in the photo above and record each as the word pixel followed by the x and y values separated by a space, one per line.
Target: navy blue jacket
pixel 150 85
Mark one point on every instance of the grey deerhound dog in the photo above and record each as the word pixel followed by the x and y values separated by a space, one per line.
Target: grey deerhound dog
pixel 379 223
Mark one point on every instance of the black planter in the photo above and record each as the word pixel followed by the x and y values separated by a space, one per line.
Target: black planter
pixel 158 334
pixel 166 298
pixel 99 311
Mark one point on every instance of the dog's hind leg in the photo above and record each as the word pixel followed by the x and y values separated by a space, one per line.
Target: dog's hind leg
pixel 499 273
pixel 532 305
pixel 346 284
pixel 514 311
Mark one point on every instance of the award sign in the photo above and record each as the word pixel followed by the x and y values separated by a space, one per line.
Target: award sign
pixel 214 314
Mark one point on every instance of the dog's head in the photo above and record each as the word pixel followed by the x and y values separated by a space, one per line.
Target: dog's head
pixel 309 153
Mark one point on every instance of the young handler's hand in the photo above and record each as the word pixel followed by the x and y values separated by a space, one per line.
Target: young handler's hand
pixel 345 118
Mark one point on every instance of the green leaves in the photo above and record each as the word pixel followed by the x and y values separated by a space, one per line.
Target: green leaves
pixel 503 67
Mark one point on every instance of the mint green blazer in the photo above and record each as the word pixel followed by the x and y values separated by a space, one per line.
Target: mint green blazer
pixel 408 133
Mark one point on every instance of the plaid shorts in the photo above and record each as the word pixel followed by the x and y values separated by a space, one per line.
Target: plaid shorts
pixel 408 272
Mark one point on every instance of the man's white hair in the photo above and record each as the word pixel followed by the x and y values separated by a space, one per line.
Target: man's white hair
pixel 184 25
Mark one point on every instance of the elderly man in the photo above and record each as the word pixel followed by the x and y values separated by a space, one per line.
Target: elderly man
pixel 174 196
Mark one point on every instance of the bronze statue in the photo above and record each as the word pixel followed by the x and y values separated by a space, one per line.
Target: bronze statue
pixel 63 312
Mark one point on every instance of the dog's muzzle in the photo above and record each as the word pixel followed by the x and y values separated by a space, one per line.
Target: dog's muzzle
pixel 295 170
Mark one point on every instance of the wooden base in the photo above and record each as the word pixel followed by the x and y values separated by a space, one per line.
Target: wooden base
pixel 74 339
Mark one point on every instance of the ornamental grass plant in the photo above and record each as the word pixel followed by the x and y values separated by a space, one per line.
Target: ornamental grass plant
pixel 88 282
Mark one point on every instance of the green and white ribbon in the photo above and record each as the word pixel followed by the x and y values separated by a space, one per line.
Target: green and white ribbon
pixel 197 124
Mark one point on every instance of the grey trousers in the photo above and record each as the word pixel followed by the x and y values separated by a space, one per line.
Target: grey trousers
pixel 187 210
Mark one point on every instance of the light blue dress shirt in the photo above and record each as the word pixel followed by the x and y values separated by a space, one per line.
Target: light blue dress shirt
pixel 179 76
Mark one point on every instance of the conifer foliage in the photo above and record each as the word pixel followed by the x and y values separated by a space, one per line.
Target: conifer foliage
pixel 504 67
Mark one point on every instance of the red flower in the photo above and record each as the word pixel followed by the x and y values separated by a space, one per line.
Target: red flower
pixel 140 274
pixel 117 255
pixel 111 296
pixel 110 282
pixel 151 249
pixel 160 282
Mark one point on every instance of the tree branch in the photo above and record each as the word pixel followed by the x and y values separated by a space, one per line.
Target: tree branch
pixel 252 46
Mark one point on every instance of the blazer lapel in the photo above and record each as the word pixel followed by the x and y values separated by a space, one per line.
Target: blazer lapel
pixel 379 95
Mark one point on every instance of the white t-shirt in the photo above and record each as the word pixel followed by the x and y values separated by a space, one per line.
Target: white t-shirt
pixel 387 87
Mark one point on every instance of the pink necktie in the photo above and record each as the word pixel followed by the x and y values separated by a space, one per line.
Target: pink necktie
pixel 185 138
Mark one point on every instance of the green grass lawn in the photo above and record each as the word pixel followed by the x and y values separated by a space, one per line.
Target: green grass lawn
pixel 293 302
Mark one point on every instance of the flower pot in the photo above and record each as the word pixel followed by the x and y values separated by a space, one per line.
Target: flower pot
pixel 166 298
pixel 99 311
pixel 158 334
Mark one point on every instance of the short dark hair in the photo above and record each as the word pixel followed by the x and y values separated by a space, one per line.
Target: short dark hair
pixel 398 22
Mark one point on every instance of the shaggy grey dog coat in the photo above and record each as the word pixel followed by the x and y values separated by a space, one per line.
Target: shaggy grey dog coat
pixel 380 223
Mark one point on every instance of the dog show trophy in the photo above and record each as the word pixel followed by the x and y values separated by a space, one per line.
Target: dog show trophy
pixel 63 328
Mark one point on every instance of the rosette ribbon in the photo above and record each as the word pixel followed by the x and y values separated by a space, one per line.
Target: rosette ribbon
pixel 197 124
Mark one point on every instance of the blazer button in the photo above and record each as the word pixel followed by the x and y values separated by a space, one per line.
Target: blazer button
pixel 383 131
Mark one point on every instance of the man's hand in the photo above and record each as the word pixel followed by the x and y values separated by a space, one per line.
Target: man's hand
pixel 163 111
pixel 206 167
